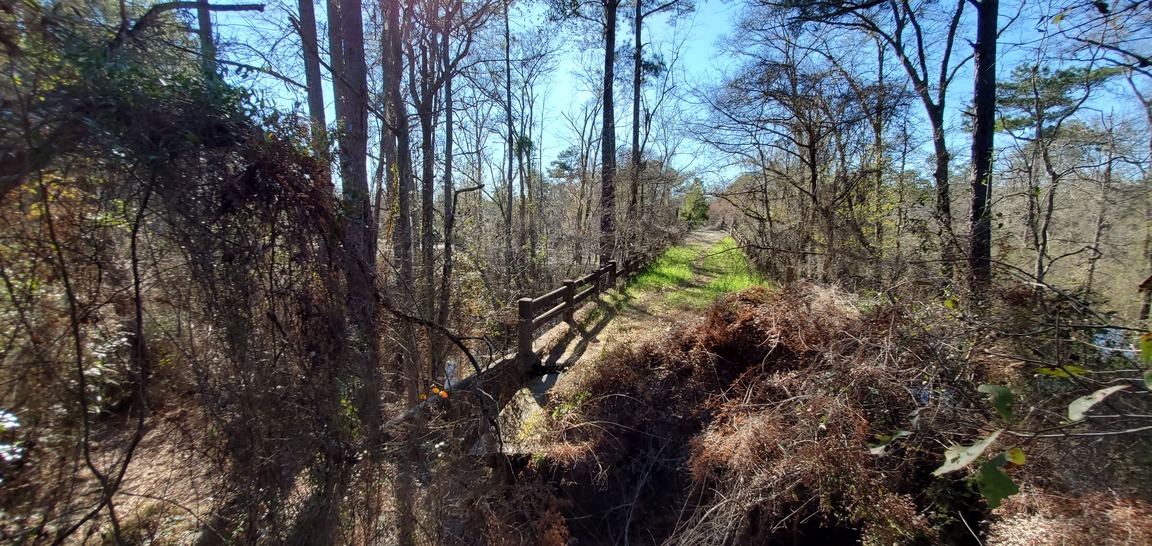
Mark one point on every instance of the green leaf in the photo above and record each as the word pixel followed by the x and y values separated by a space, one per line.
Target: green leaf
pixel 957 457
pixel 1015 456
pixel 1148 380
pixel 883 440
pixel 1066 371
pixel 1002 399
pixel 1080 406
pixel 994 484
pixel 1146 347
pixel 951 302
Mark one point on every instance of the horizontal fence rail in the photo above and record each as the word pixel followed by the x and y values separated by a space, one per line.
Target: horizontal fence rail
pixel 563 301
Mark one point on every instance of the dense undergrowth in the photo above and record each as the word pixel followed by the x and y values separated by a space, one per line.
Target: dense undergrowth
pixel 809 414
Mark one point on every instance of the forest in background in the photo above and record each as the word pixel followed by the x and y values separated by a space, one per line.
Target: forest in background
pixel 249 259
pixel 834 107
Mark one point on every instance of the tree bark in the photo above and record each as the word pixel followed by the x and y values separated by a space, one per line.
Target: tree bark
pixel 878 143
pixel 508 257
pixel 207 41
pixel 449 201
pixel 312 78
pixel 397 111
pixel 1146 303
pixel 355 361
pixel 352 115
pixel 608 142
pixel 409 359
pixel 637 60
pixel 950 252
pixel 424 96
pixel 984 106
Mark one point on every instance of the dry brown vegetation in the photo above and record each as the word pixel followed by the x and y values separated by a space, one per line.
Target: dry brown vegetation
pixel 773 421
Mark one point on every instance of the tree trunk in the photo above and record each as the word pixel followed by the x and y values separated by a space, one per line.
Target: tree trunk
pixel 398 114
pixel 531 205
pixel 449 204
pixel 408 360
pixel 511 145
pixel 1049 209
pixel 984 106
pixel 207 41
pixel 878 144
pixel 1146 304
pixel 522 205
pixel 1101 215
pixel 352 113
pixel 634 186
pixel 312 78
pixel 360 351
pixel 608 141
pixel 950 253
pixel 425 98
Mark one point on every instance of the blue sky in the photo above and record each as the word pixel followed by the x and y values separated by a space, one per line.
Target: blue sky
pixel 699 63
pixel 698 33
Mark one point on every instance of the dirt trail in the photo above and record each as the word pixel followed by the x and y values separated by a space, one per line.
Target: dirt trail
pixel 644 309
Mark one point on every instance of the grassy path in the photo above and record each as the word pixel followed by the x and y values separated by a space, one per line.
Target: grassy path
pixel 691 275
pixel 674 291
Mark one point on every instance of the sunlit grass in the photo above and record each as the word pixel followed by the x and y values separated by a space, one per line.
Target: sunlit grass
pixel 671 269
pixel 723 264
pixel 731 267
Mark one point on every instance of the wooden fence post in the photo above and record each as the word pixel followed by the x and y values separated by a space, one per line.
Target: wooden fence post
pixel 524 332
pixel 612 276
pixel 570 302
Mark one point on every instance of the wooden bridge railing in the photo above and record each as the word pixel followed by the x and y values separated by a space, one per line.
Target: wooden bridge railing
pixel 563 301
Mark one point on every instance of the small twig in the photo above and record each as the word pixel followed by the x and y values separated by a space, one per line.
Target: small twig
pixel 974 535
pixel 191 512
pixel 459 343
pixel 1083 434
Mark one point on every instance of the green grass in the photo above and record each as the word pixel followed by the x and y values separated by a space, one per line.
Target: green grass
pixel 731 267
pixel 672 269
pixel 724 262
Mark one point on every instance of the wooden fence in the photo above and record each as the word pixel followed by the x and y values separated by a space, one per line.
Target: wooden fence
pixel 563 301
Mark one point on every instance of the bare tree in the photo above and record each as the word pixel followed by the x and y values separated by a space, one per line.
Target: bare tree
pixel 795 116
pixel 1038 104
pixel 922 36
pixel 306 28
pixel 604 14
pixel 642 11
